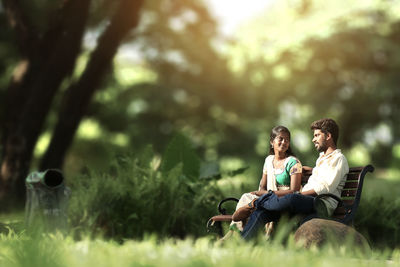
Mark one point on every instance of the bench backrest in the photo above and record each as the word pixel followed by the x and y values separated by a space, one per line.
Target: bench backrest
pixel 351 193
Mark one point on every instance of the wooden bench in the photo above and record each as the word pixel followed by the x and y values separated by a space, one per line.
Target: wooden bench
pixel 344 213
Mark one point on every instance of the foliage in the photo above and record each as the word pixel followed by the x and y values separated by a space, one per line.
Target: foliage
pixel 58 73
pixel 43 251
pixel 334 61
pixel 378 219
pixel 136 197
pixel 179 150
pixel 23 250
pixel 348 63
pixel 101 205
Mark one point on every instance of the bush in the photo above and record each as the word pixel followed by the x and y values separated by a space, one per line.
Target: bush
pixel 135 197
pixel 378 219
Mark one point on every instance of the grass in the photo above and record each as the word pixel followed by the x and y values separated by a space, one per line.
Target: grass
pixel 55 250
pixel 110 214
pixel 377 186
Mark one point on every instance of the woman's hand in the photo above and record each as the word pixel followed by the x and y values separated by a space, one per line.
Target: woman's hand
pixel 259 192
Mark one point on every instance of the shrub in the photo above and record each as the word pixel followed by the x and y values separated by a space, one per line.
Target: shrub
pixel 135 197
pixel 378 219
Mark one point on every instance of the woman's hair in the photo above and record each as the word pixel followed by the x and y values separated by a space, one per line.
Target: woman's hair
pixel 274 133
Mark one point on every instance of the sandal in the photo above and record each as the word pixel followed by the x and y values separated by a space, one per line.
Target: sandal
pixel 244 212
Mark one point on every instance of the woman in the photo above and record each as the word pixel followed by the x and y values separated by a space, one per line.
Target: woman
pixel 281 172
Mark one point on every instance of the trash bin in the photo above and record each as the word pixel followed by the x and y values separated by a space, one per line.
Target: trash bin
pixel 46 201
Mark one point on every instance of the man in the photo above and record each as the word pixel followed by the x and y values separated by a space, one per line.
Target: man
pixel 328 176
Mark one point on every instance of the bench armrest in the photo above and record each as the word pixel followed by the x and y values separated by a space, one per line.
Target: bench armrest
pixel 222 210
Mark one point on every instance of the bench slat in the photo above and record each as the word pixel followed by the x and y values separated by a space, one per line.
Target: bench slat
pixel 356 169
pixel 348 201
pixel 350 184
pixel 353 176
pixel 349 193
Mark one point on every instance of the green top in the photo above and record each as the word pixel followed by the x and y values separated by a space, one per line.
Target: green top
pixel 283 176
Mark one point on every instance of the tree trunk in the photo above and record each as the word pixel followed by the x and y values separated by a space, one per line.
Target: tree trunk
pixel 48 59
pixel 79 95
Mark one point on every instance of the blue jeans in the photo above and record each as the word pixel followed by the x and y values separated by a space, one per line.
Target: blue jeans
pixel 269 207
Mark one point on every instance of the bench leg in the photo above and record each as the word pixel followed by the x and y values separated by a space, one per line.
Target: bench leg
pixel 219 229
pixel 217 225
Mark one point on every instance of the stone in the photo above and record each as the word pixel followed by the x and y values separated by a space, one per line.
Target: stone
pixel 320 231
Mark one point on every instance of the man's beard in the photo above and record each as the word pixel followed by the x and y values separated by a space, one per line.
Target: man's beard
pixel 323 147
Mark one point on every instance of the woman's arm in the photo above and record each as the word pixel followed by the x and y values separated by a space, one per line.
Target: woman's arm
pixel 263 186
pixel 263 182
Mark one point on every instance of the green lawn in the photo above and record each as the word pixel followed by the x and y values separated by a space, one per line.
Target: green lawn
pixel 379 222
pixel 58 251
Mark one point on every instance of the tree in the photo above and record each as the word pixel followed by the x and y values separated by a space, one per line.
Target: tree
pixel 348 73
pixel 48 49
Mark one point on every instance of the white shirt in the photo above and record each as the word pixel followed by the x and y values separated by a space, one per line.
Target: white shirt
pixel 329 176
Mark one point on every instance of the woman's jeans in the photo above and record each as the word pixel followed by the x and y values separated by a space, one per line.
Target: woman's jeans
pixel 269 208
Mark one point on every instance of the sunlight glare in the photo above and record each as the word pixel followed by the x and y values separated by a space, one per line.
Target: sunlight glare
pixel 231 13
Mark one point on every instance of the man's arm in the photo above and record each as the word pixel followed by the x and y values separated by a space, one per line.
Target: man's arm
pixel 310 192
pixel 307 169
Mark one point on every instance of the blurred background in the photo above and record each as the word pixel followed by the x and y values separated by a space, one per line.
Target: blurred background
pixel 169 103
pixel 223 73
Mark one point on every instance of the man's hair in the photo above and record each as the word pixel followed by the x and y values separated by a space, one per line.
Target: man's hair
pixel 327 126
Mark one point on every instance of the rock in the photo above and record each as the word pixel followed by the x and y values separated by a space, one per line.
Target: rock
pixel 319 231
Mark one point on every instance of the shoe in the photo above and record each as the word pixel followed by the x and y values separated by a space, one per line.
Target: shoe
pixel 244 212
